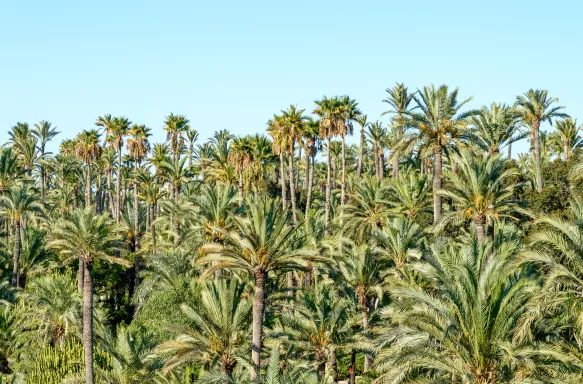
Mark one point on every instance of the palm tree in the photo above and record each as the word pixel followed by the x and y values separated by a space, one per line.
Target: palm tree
pixel 535 107
pixel 377 133
pixel 138 146
pixel 44 132
pixel 494 128
pixel 481 190
pixel 241 154
pixel 410 193
pixel 261 244
pixel 118 130
pixel 312 142
pixel 10 170
pixel 363 122
pixel 87 149
pixel 439 123
pixel 176 126
pixel 332 122
pixel 219 312
pixel 106 123
pixel 568 134
pixel 275 130
pixel 85 236
pixel 350 112
pixel 177 174
pixel 461 328
pixel 192 136
pixel 20 202
pixel 400 100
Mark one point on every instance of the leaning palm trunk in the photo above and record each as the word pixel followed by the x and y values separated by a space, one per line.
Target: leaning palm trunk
pixel 436 184
pixel 282 181
pixel 16 253
pixel 343 187
pixel 537 159
pixel 328 186
pixel 258 309
pixel 360 153
pixel 88 323
pixel 292 188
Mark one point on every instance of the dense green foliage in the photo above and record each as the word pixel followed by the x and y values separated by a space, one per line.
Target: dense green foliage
pixel 422 254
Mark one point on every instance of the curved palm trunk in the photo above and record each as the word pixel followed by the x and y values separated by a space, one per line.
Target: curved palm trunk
pixel 88 323
pixel 118 188
pixel 360 153
pixel 537 159
pixel 88 186
pixel 292 187
pixel 258 309
pixel 436 184
pixel 343 187
pixel 309 180
pixel 328 185
pixel 282 181
pixel 16 253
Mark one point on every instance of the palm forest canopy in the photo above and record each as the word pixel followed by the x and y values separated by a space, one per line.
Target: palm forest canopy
pixel 424 253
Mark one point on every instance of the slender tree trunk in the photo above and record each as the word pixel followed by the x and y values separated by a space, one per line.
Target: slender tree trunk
pixel 352 367
pixel 537 154
pixel 332 366
pixel 309 181
pixel 343 186
pixel 297 179
pixel 436 185
pixel 566 149
pixel 365 326
pixel 360 153
pixel 136 216
pixel 153 227
pixel 509 150
pixel 258 310
pixel 382 163
pixel 42 176
pixel 88 323
pixel 110 203
pixel 88 186
pixel 241 187
pixel 80 275
pixel 282 180
pixel 118 188
pixel 376 160
pixel 396 155
pixel 328 186
pixel 16 253
pixel 292 187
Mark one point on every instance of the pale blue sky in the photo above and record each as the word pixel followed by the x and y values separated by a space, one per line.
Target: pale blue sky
pixel 233 64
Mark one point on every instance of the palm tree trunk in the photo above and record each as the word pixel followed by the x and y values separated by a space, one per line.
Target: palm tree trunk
pixel 343 186
pixel 332 366
pixel 282 180
pixel 153 227
pixel 136 217
pixel 566 149
pixel 537 159
pixel 309 181
pixel 42 175
pixel 88 322
pixel 365 326
pixel 328 186
pixel 88 186
pixel 509 150
pixel 376 160
pixel 382 163
pixel 436 184
pixel 292 187
pixel 80 276
pixel 241 187
pixel 352 369
pixel 118 188
pixel 360 153
pixel 480 223
pixel 16 253
pixel 258 309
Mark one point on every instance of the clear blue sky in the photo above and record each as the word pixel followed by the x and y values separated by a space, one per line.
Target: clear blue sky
pixel 233 64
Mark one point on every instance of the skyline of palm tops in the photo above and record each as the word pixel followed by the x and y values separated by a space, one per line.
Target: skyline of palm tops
pixel 422 253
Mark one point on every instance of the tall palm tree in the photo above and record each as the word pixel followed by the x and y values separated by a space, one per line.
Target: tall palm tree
pixel 44 132
pixel 275 130
pixel 494 128
pixel 535 107
pixel 219 312
pixel 400 100
pixel 20 202
pixel 439 123
pixel 106 123
pixel 177 174
pixel 312 143
pixel 85 236
pixel 119 129
pixel 362 120
pixel 377 133
pixel 332 122
pixel 87 149
pixel 192 137
pixel 294 124
pixel 261 245
pixel 241 154
pixel 568 133
pixel 350 112
pixel 481 191
pixel 176 126
pixel 138 147
pixel 10 169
